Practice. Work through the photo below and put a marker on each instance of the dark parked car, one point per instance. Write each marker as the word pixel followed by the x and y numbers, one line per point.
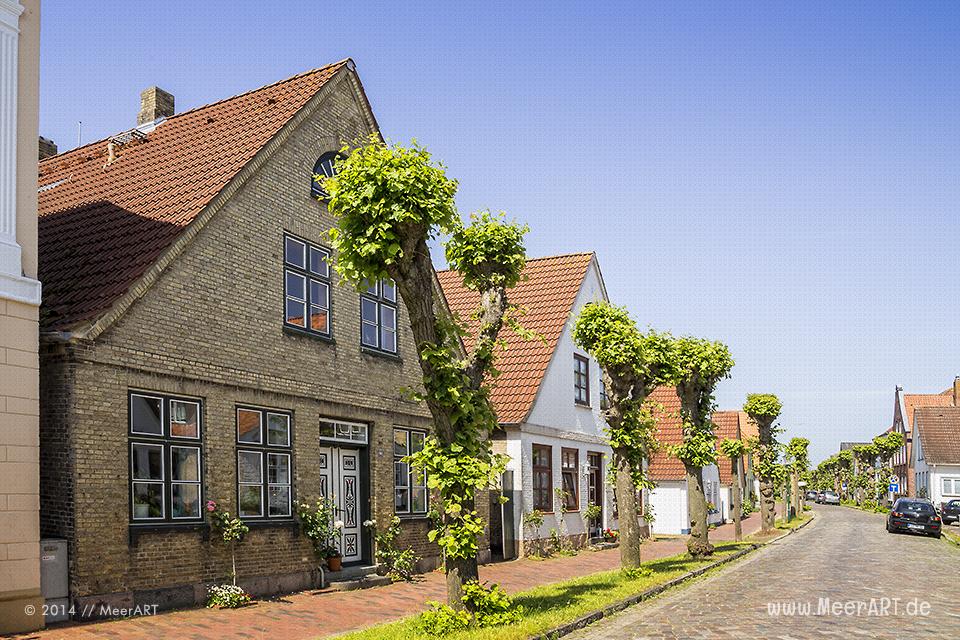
pixel 950 511
pixel 914 515
pixel 830 497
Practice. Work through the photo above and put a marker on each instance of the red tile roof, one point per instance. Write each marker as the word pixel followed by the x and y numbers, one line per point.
pixel 939 431
pixel 101 229
pixel 662 465
pixel 726 427
pixel 547 294
pixel 913 400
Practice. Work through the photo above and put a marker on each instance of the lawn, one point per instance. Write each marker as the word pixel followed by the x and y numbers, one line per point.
pixel 793 524
pixel 552 605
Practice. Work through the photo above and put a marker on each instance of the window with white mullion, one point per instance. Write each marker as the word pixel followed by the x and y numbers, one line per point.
pixel 250 483
pixel 165 458
pixel 410 483
pixel 378 316
pixel 306 286
pixel 264 463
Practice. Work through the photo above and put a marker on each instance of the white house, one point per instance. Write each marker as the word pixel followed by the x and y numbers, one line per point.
pixel 548 399
pixel 668 501
pixel 936 453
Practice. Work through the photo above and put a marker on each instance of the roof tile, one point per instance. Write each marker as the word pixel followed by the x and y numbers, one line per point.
pixel 939 431
pixel 101 228
pixel 546 295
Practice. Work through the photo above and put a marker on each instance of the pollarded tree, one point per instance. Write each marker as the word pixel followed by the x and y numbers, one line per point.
pixel 633 364
pixel 734 450
pixel 764 408
pixel 887 445
pixel 799 462
pixel 701 364
pixel 864 458
pixel 389 202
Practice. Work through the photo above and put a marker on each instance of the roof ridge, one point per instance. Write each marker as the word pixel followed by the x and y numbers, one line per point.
pixel 541 258
pixel 101 141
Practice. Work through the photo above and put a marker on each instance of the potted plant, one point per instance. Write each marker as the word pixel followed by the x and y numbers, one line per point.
pixel 317 523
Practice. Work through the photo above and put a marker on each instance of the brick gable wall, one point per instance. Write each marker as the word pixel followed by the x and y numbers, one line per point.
pixel 211 327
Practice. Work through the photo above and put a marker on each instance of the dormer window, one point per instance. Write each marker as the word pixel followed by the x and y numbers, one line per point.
pixel 324 168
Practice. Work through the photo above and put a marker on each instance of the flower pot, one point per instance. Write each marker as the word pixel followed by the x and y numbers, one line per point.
pixel 335 563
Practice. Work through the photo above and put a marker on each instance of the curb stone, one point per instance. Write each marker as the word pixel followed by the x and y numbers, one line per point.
pixel 595 616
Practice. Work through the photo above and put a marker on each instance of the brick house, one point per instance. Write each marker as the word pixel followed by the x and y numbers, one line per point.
pixel 548 398
pixel 904 407
pixel 936 453
pixel 196 345
pixel 732 425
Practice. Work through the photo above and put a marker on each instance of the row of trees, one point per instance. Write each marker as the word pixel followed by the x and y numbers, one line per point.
pixel 860 473
pixel 390 204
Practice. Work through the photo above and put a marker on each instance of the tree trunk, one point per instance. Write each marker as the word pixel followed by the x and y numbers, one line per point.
pixel 459 572
pixel 698 545
pixel 737 500
pixel 795 490
pixel 767 510
pixel 627 508
pixel 786 501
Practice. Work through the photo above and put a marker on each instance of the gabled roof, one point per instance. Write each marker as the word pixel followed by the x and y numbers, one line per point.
pixel 102 228
pixel 911 401
pixel 726 427
pixel 939 432
pixel 662 465
pixel 546 294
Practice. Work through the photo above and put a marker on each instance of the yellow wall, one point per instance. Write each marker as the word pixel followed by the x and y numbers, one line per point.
pixel 19 382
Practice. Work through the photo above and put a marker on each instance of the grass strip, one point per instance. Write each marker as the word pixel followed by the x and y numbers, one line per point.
pixel 579 601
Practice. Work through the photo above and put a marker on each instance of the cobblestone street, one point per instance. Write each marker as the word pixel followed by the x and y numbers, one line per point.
pixel 845 556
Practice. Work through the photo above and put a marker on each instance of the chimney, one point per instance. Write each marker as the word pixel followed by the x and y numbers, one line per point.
pixel 155 103
pixel 956 391
pixel 47 148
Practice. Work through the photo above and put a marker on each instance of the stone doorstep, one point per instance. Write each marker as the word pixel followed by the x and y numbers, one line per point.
pixel 363 582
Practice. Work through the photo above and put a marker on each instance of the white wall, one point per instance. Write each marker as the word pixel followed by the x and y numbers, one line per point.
pixel 521 452
pixel 554 406
pixel 937 473
pixel 669 502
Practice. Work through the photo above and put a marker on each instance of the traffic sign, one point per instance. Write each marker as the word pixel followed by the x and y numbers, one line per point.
pixel 894 480
pixel 894 488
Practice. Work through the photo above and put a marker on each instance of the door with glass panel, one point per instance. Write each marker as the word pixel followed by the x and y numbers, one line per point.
pixel 342 478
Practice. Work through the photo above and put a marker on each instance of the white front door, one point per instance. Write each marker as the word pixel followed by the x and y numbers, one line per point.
pixel 340 477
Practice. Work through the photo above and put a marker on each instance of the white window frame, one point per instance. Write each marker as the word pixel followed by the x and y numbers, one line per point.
pixel 199 418
pixel 955 485
pixel 258 485
pixel 162 481
pixel 288 484
pixel 198 482
pixel 410 474
pixel 133 431
pixel 380 300
pixel 364 431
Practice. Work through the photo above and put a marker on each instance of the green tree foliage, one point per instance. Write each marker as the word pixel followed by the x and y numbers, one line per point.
pixel 389 202
pixel 799 463
pixel 701 364
pixel 764 408
pixel 634 364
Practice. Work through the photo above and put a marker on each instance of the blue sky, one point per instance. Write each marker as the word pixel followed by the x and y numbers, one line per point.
pixel 784 177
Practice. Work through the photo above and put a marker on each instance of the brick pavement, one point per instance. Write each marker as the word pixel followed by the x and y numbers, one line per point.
pixel 844 555
pixel 319 613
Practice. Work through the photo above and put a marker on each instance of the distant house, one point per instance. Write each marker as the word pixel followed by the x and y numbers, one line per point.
pixel 936 453
pixel 668 500
pixel 729 425
pixel 548 398
pixel 905 404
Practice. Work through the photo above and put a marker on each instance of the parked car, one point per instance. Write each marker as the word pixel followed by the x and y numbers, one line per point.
pixel 811 495
pixel 819 498
pixel 830 497
pixel 918 516
pixel 950 512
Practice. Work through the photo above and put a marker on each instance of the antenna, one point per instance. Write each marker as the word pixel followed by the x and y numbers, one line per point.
pixel 79 132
